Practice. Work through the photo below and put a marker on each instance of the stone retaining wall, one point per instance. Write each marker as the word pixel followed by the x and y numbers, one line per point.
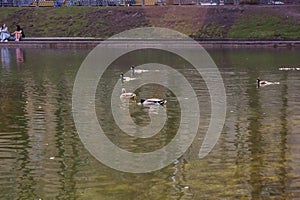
pixel 92 42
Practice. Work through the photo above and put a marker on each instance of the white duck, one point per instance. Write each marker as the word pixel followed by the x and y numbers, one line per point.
pixel 153 101
pixel 127 95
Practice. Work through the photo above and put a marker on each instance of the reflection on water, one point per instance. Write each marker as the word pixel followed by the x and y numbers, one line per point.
pixel 257 156
pixel 19 56
pixel 18 53
pixel 5 58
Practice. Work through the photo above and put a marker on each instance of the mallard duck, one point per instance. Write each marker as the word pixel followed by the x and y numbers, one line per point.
pixel 127 95
pixel 260 82
pixel 125 78
pixel 137 71
pixel 264 83
pixel 153 101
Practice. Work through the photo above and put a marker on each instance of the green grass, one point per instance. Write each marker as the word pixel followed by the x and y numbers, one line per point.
pixel 45 22
pixel 103 22
pixel 211 30
pixel 81 21
pixel 265 26
pixel 6 12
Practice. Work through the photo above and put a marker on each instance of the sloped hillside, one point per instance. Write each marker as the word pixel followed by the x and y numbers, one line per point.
pixel 196 21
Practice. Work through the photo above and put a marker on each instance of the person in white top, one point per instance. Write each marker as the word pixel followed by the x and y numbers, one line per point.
pixel 4 34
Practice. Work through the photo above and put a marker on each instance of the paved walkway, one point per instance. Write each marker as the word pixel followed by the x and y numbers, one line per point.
pixel 88 42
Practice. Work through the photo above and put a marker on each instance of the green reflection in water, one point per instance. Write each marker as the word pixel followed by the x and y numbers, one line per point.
pixel 257 156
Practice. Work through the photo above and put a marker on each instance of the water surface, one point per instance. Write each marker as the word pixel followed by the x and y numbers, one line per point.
pixel 42 157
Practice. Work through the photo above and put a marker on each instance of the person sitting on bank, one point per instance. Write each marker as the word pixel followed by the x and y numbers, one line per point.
pixel 18 34
pixel 4 34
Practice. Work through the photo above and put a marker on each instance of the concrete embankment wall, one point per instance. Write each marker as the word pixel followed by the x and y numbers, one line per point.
pixel 93 42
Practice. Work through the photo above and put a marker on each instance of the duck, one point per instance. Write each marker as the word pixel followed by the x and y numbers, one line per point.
pixel 153 101
pixel 260 82
pixel 137 71
pixel 125 78
pixel 264 83
pixel 289 68
pixel 127 95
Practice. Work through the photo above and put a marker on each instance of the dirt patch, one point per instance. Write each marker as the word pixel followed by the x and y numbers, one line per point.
pixel 212 22
pixel 185 19
pixel 107 22
pixel 219 21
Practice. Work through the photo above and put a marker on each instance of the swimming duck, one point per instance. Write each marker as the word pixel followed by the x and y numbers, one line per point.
pixel 264 83
pixel 125 78
pixel 153 101
pixel 260 82
pixel 289 68
pixel 137 71
pixel 127 95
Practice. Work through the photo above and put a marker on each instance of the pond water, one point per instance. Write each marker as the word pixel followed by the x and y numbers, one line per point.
pixel 256 157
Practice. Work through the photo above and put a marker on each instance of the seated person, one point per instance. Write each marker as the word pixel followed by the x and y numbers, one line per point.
pixel 18 34
pixel 4 34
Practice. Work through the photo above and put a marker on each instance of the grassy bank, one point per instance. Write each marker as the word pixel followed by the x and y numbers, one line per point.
pixel 202 22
